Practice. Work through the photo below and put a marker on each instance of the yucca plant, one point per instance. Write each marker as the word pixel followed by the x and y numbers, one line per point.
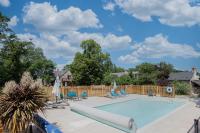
pixel 19 102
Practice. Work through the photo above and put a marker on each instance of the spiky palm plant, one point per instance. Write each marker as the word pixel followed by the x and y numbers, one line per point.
pixel 19 102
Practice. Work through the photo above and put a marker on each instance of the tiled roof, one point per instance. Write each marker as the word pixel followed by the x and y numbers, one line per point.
pixel 182 76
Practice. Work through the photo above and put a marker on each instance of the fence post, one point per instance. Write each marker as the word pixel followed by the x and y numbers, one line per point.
pixel 91 93
pixel 174 91
pixel 101 90
pixel 157 91
pixel 196 127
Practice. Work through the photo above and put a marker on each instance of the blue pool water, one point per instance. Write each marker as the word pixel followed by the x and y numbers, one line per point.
pixel 141 110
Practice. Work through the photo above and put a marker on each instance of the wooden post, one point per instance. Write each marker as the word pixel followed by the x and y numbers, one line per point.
pixel 78 90
pixel 156 90
pixel 174 91
pixel 101 90
pixel 91 90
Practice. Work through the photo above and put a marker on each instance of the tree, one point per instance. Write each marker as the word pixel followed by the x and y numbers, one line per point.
pixel 90 66
pixel 117 69
pixel 39 65
pixel 12 54
pixel 148 73
pixel 5 32
pixel 164 70
pixel 124 80
pixel 17 56
pixel 108 79
pixel 130 72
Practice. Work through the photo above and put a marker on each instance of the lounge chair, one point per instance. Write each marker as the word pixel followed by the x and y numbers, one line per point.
pixel 150 92
pixel 72 95
pixel 109 95
pixel 114 94
pixel 123 92
pixel 84 95
pixel 56 105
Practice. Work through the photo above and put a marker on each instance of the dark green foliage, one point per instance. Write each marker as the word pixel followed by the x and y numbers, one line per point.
pixel 164 70
pixel 148 73
pixel 116 69
pixel 90 66
pixel 13 54
pixel 17 56
pixel 108 79
pixel 151 73
pixel 5 32
pixel 124 80
pixel 182 88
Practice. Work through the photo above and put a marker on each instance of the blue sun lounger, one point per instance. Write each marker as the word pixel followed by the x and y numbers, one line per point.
pixel 84 95
pixel 123 92
pixel 114 94
pixel 72 95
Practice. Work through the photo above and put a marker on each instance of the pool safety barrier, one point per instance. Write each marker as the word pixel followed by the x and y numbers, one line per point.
pixel 126 124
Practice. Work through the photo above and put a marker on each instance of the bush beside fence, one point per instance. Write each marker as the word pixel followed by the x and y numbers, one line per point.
pixel 102 90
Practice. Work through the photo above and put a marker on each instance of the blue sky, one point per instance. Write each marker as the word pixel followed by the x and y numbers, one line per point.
pixel 132 31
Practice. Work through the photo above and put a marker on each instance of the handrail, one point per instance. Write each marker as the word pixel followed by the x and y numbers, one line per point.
pixel 195 126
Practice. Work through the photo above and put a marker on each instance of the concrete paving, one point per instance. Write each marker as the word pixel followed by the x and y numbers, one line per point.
pixel 178 121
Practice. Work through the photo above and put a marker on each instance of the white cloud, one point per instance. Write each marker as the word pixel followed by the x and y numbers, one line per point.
pixel 169 12
pixel 47 18
pixel 59 34
pixel 109 6
pixel 159 46
pixel 65 48
pixel 5 3
pixel 52 46
pixel 13 21
pixel 109 41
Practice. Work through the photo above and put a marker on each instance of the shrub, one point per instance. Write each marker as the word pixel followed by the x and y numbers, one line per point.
pixel 108 79
pixel 19 102
pixel 124 80
pixel 182 88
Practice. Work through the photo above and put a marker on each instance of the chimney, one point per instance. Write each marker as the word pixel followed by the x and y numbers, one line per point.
pixel 195 76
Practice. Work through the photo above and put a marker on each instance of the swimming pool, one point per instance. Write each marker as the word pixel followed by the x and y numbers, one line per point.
pixel 143 111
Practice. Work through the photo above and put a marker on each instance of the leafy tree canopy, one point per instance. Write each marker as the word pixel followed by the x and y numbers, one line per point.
pixel 116 69
pixel 151 73
pixel 90 66
pixel 17 56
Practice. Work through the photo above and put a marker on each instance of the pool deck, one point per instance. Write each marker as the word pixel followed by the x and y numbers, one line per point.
pixel 177 121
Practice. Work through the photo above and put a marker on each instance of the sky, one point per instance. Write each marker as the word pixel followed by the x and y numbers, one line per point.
pixel 132 31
